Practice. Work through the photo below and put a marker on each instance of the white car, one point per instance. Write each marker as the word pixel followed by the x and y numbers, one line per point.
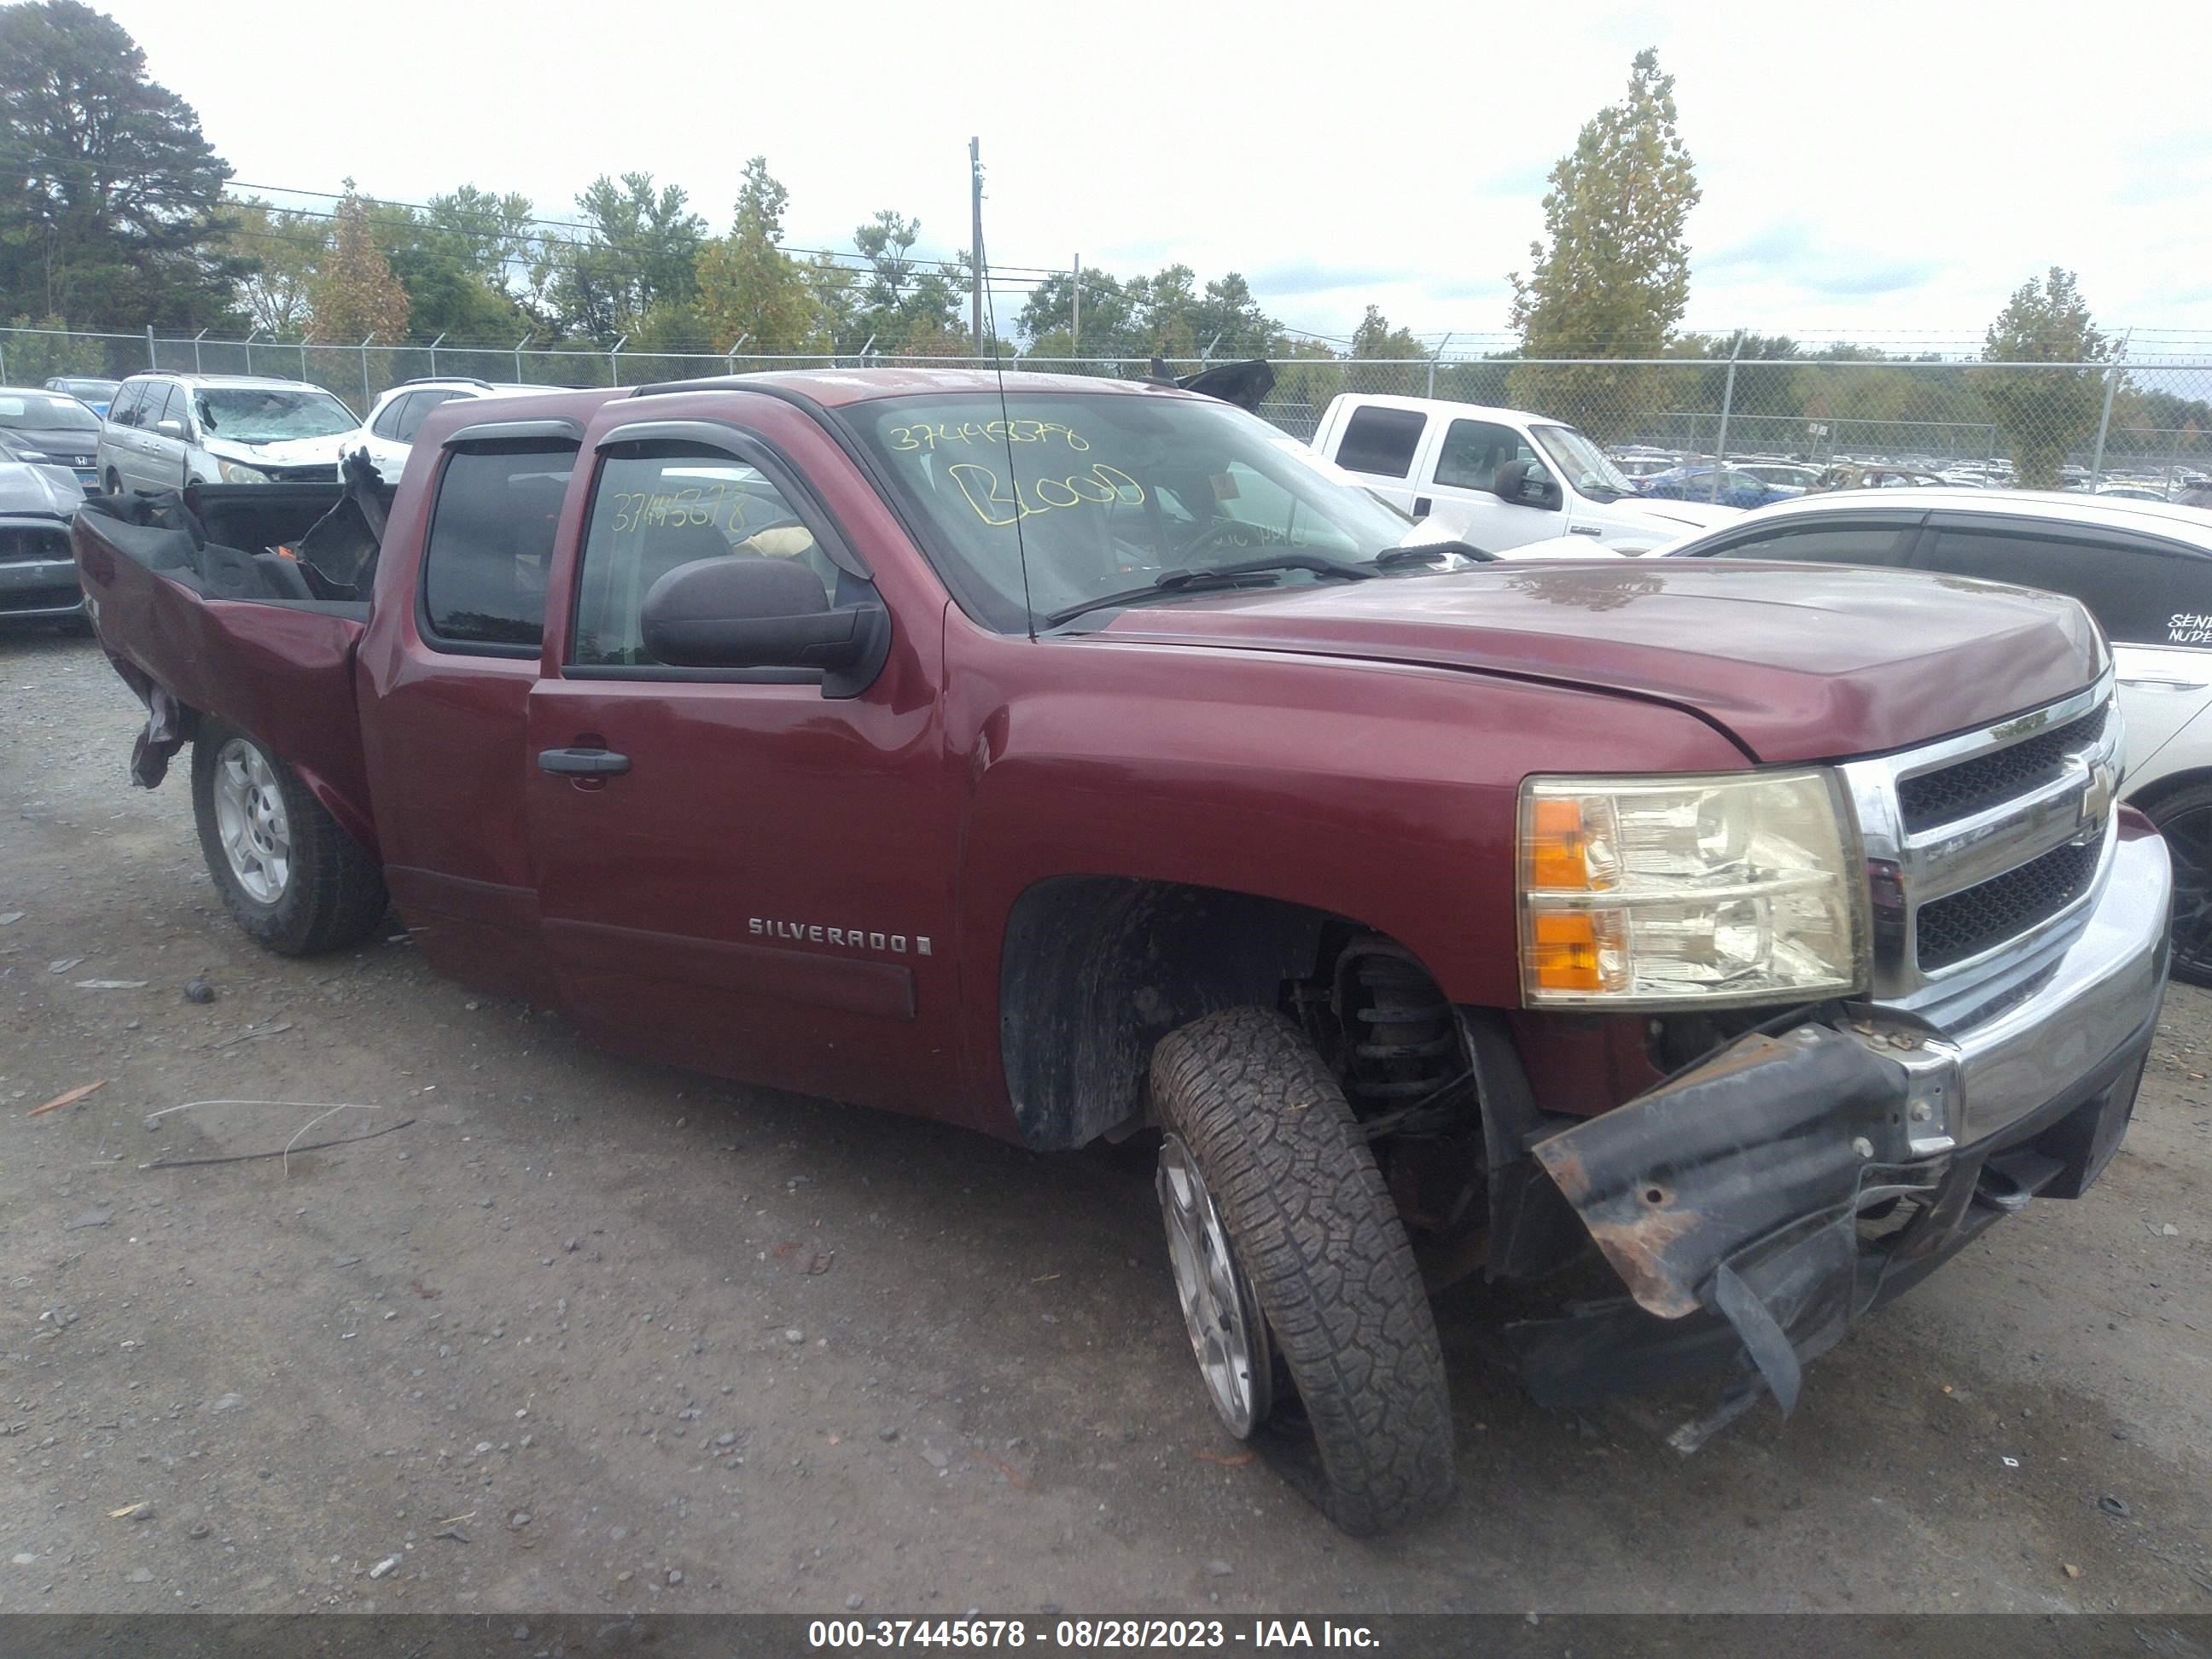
pixel 1496 479
pixel 166 431
pixel 2142 569
pixel 387 436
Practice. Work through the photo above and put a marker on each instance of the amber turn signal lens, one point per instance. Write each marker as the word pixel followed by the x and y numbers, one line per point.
pixel 1558 848
pixel 1563 951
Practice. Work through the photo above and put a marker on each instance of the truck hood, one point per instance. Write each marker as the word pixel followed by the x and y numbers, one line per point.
pixel 1799 662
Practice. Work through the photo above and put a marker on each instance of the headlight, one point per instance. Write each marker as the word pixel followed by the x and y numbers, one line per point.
pixel 239 473
pixel 33 455
pixel 1688 891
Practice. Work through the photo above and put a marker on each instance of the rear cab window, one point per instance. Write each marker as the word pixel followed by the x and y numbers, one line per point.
pixel 490 546
pixel 1380 442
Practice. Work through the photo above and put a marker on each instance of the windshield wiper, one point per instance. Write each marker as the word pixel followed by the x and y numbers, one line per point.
pixel 1428 553
pixel 1228 575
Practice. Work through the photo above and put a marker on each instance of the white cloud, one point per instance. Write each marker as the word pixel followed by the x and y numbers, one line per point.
pixel 1877 168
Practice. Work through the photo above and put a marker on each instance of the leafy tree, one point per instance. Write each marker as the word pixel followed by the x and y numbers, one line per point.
pixel 109 194
pixel 32 357
pixel 639 250
pixel 1612 277
pixel 2044 413
pixel 907 306
pixel 748 287
pixel 355 294
pixel 281 250
pixel 1109 316
pixel 1374 337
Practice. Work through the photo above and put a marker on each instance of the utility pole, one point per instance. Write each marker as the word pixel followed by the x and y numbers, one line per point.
pixel 1075 315
pixel 976 249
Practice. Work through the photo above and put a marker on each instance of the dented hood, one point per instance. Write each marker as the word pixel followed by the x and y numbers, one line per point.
pixel 1800 662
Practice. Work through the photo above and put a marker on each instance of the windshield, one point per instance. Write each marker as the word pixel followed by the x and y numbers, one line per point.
pixel 89 389
pixel 269 415
pixel 45 411
pixel 1584 466
pixel 1102 493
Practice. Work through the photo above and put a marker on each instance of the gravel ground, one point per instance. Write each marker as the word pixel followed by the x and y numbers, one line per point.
pixel 585 1335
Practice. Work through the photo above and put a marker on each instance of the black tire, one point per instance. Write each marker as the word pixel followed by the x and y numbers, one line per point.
pixel 333 892
pixel 114 482
pixel 2185 818
pixel 1314 1229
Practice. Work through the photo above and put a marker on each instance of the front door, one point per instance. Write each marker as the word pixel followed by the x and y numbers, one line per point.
pixel 735 871
pixel 1458 475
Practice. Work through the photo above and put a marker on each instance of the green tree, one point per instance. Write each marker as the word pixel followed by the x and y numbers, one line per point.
pixel 750 288
pixel 2044 413
pixel 640 251
pixel 355 293
pixel 909 307
pixel 109 194
pixel 33 357
pixel 1612 277
pixel 281 250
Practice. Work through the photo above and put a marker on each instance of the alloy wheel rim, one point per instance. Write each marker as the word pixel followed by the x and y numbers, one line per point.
pixel 1228 1336
pixel 251 821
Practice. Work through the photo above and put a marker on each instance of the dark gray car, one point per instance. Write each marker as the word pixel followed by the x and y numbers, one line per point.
pixel 37 575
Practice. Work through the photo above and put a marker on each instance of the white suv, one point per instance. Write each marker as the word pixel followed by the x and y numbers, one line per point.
pixel 166 431
pixel 388 434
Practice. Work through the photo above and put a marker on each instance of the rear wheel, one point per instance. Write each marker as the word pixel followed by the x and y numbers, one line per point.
pixel 289 876
pixel 1285 1245
pixel 2185 818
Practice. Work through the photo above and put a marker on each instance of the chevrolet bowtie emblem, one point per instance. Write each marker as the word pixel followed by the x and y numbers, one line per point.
pixel 2097 799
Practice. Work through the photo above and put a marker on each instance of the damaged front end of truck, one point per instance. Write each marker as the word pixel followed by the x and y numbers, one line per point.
pixel 1757 1204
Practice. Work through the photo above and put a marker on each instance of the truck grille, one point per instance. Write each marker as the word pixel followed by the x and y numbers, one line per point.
pixel 1974 786
pixel 1983 840
pixel 1984 915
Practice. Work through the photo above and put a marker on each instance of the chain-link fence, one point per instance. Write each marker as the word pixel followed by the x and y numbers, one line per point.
pixel 2144 423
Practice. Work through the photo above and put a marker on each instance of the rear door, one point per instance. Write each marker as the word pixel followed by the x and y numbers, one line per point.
pixel 763 889
pixel 1378 443
pixel 2154 600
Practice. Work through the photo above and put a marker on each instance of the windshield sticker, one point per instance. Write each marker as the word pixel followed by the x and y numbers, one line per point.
pixel 2189 627
pixel 1102 486
pixel 997 433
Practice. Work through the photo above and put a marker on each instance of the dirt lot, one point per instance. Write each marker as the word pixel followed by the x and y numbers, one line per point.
pixel 585 1335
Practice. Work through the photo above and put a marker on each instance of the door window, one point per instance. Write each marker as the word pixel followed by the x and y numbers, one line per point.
pixel 123 411
pixel 417 406
pixel 1865 544
pixel 655 509
pixel 2140 595
pixel 386 423
pixel 1473 451
pixel 1381 441
pixel 162 403
pixel 491 544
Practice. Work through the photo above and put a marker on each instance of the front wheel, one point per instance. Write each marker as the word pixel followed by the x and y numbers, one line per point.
pixel 2185 818
pixel 289 876
pixel 1284 1243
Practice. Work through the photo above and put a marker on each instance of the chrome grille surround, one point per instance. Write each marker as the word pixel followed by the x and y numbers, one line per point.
pixel 1909 867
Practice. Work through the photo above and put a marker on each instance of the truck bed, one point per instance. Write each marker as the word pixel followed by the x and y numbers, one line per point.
pixel 202 617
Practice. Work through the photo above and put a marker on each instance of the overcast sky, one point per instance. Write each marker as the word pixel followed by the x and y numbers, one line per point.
pixel 1882 172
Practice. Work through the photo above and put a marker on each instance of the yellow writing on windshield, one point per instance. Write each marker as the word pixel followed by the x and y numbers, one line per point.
pixel 996 506
pixel 1001 433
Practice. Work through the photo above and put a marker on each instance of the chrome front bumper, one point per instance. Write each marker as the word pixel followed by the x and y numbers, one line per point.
pixel 1977 1065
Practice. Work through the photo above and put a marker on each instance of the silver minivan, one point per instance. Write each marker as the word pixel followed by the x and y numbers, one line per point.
pixel 165 431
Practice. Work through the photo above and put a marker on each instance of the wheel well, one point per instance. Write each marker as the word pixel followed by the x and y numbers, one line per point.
pixel 1096 970
pixel 2173 784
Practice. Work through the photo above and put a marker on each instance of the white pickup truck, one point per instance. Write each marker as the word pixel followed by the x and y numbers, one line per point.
pixel 1498 478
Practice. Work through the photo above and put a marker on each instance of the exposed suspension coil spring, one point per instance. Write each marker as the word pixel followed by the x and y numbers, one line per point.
pixel 1404 1046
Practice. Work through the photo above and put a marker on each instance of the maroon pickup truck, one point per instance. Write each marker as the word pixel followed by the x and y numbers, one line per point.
pixel 1075 760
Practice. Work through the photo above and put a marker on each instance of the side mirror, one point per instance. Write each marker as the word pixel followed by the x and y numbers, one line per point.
pixel 169 428
pixel 746 611
pixel 1522 484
